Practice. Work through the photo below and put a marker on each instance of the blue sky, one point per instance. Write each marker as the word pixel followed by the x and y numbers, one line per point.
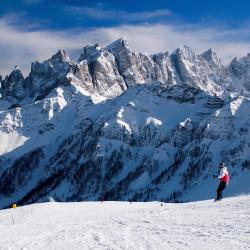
pixel 34 29
pixel 61 14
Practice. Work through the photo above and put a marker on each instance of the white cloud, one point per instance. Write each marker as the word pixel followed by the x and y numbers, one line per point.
pixel 18 47
pixel 158 37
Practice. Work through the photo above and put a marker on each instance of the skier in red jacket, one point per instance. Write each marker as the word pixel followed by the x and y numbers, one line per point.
pixel 224 179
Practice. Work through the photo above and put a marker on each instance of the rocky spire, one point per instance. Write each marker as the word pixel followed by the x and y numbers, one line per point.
pixel 119 44
pixel 212 57
pixel 89 51
pixel 13 85
pixel 60 56
pixel 13 78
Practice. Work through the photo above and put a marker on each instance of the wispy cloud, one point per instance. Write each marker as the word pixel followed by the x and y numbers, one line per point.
pixel 21 47
pixel 99 13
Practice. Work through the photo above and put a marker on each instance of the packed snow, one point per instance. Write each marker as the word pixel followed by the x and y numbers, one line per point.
pixel 124 225
pixel 154 121
pixel 11 141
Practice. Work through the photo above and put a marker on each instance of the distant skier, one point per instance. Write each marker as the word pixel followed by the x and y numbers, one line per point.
pixel 224 179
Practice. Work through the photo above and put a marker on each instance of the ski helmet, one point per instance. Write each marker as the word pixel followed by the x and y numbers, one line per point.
pixel 221 165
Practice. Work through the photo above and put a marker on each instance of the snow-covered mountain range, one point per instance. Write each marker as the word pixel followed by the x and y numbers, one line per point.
pixel 120 125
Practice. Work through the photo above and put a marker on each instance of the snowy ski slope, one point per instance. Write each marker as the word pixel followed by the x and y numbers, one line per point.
pixel 121 225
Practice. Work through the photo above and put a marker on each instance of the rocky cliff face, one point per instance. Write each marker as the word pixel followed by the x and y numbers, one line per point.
pixel 122 125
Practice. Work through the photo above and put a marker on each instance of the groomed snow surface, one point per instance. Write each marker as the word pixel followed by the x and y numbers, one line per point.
pixel 121 225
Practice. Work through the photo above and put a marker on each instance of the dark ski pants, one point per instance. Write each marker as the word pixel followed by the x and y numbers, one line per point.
pixel 220 189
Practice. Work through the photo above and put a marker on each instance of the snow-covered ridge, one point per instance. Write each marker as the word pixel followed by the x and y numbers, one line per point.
pixel 124 225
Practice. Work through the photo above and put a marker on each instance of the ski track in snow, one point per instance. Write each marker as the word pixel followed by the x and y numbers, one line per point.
pixel 121 225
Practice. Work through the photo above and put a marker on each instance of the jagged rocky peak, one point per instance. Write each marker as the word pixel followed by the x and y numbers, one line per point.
pixel 89 51
pixel 55 61
pixel 49 74
pixel 13 85
pixel 184 52
pixel 161 55
pixel 118 45
pixel 236 67
pixel 59 57
pixel 240 70
pixel 196 71
pixel 212 57
pixel 13 78
pixel 183 57
pixel 122 52
pixel 106 76
pixel 16 75
pixel 134 67
pixel 240 65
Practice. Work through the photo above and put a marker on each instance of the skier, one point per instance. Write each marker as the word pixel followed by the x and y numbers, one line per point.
pixel 224 179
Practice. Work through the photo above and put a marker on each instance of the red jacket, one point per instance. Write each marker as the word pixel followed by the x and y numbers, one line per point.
pixel 224 176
